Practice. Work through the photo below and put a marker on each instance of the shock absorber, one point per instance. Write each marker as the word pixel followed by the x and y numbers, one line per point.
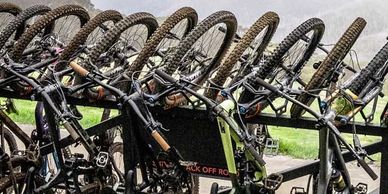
pixel 338 181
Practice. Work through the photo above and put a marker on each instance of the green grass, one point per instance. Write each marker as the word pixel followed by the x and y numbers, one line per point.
pixel 302 143
pixel 298 143
pixel 26 109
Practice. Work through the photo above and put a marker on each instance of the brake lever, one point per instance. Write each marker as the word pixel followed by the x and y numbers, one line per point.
pixel 252 90
pixel 161 81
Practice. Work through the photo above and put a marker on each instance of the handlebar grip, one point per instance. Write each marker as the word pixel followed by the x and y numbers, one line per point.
pixel 79 69
pixel 158 138
pixel 71 130
pixel 165 76
pixel 367 169
pixel 256 155
pixel 266 85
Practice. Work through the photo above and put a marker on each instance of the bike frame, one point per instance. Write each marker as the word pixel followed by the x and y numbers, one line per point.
pixel 133 106
pixel 229 132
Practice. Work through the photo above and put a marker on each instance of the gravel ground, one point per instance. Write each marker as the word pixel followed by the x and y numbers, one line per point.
pixel 274 164
pixel 279 163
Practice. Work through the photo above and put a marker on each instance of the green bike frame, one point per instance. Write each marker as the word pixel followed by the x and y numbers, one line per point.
pixel 228 134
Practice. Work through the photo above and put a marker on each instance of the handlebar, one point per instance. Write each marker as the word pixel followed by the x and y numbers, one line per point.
pixel 79 69
pixel 216 109
pixel 170 79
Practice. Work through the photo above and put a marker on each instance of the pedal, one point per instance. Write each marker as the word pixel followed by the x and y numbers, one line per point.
pixel 102 159
pixel 271 147
pixel 361 188
pixel 273 181
pixel 298 190
pixel 33 153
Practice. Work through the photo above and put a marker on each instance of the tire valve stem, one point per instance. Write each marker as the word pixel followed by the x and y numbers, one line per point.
pixel 337 181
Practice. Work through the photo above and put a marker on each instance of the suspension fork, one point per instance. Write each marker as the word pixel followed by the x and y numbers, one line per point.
pixel 54 132
pixel 329 152
pixel 227 135
pixel 326 157
pixel 72 126
pixel 340 162
pixel 228 150
pixel 136 144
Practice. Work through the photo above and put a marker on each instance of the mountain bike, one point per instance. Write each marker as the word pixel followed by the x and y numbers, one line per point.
pixel 11 32
pixel 245 163
pixel 95 170
pixel 249 50
pixel 155 178
pixel 331 161
pixel 357 92
pixel 199 53
pixel 333 175
pixel 330 69
pixel 282 67
pixel 40 136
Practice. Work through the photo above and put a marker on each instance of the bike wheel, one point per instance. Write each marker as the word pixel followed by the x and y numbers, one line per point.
pixel 283 55
pixel 200 51
pixel 186 16
pixel 120 43
pixel 259 34
pixel 48 19
pixel 123 28
pixel 10 8
pixel 335 57
pixel 18 24
pixel 210 25
pixel 10 141
pixel 116 151
pixel 372 69
pixel 86 31
pixel 8 12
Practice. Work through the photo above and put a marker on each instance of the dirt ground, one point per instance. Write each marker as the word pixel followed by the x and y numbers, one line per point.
pixel 279 163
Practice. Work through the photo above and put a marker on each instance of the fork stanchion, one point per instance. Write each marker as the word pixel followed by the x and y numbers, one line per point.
pixel 130 152
pixel 384 166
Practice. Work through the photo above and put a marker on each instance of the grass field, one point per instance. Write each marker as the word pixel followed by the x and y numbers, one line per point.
pixel 91 116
